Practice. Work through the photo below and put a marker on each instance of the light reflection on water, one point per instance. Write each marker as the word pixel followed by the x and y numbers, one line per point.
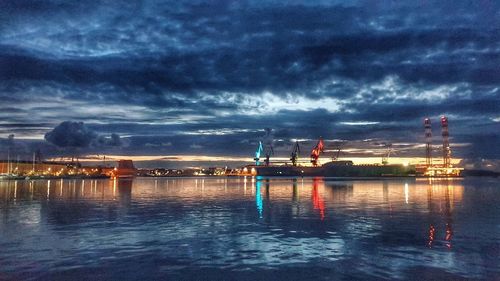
pixel 249 228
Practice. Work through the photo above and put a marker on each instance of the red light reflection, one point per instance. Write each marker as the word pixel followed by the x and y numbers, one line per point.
pixel 318 202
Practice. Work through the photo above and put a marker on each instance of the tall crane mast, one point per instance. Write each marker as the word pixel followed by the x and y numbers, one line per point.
pixel 428 142
pixel 446 142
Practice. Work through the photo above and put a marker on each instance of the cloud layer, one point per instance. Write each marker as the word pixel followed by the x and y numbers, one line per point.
pixel 211 76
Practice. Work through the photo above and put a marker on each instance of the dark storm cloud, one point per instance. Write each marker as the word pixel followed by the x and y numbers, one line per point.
pixel 78 135
pixel 173 70
pixel 71 134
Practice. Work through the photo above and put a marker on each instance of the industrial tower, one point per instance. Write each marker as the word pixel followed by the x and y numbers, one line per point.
pixel 446 142
pixel 428 142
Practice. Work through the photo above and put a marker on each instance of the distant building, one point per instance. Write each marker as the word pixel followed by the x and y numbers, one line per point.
pixel 125 169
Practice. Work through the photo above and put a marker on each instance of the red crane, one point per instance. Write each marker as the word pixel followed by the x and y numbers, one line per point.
pixel 316 152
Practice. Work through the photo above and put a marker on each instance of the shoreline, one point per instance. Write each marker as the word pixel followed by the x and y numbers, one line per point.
pixel 242 176
pixel 52 177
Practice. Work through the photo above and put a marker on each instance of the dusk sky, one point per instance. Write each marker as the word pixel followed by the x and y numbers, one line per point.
pixel 167 78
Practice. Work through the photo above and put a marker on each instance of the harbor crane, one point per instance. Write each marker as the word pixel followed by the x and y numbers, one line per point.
pixel 317 150
pixel 268 144
pixel 269 153
pixel 257 154
pixel 387 154
pixel 295 153
pixel 337 148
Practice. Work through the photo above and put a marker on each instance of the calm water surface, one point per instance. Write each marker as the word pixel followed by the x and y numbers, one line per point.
pixel 249 229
